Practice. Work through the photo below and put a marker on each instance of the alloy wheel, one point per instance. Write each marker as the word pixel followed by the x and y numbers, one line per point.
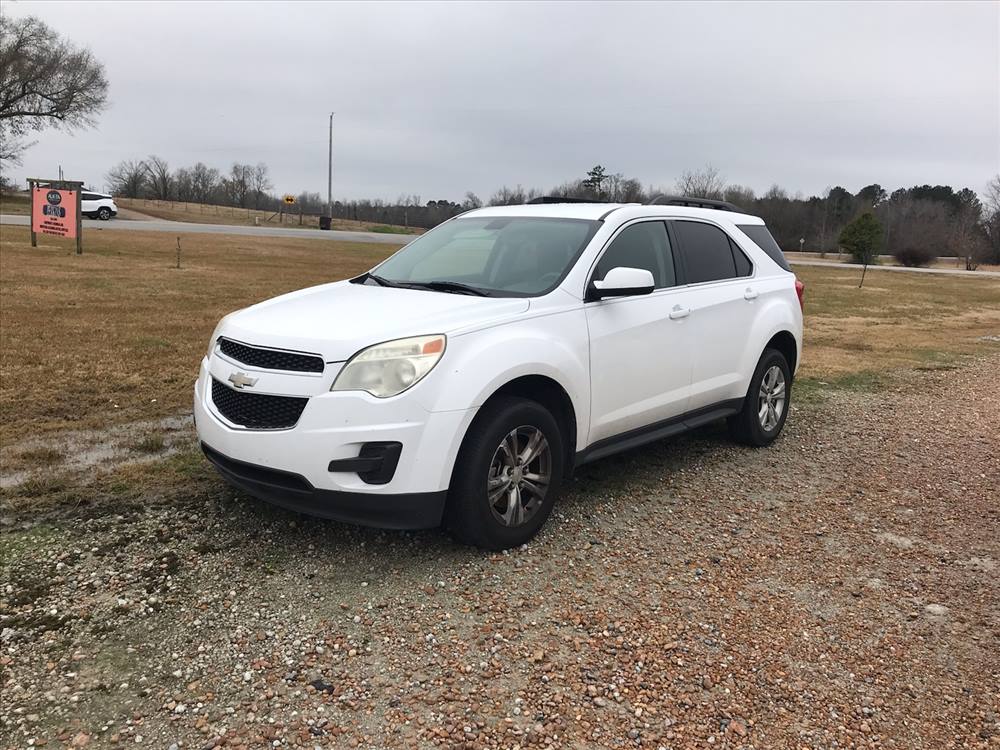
pixel 519 475
pixel 771 398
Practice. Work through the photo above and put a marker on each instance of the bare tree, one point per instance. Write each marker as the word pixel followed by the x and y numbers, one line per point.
pixel 707 183
pixel 506 196
pixel 740 195
pixel 160 180
pixel 471 201
pixel 44 81
pixel 621 189
pixel 204 182
pixel 260 183
pixel 183 184
pixel 127 179
pixel 237 185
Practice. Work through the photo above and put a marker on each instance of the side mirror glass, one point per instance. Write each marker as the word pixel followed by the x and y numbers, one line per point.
pixel 621 282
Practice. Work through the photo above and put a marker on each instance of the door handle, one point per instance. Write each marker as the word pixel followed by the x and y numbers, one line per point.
pixel 679 312
pixel 750 294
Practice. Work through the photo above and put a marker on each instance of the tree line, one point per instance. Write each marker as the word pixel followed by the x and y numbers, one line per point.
pixel 918 223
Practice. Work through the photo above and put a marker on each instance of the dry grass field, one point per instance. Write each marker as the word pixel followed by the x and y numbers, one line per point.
pixel 199 213
pixel 898 320
pixel 115 335
pixel 15 203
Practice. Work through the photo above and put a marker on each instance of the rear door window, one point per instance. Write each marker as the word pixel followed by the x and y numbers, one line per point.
pixel 708 255
pixel 743 265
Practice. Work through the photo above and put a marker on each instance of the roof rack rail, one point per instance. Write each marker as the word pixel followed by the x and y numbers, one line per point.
pixel 685 200
pixel 560 199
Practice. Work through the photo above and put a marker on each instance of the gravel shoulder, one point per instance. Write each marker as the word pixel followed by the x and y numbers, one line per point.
pixel 837 590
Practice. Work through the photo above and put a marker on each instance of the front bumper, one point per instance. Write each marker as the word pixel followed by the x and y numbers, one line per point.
pixel 418 510
pixel 291 467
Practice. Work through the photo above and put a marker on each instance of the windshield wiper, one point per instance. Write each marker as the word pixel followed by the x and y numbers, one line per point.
pixel 385 282
pixel 437 286
pixel 449 286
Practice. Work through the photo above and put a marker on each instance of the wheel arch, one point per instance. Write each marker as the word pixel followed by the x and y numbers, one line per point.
pixel 784 342
pixel 550 394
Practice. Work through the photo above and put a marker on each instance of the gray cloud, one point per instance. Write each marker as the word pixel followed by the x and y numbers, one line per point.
pixel 436 99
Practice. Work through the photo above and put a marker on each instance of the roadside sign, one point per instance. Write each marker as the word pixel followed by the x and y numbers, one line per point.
pixel 54 212
pixel 290 199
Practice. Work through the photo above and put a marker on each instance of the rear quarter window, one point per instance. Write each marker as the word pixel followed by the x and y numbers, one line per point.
pixel 763 239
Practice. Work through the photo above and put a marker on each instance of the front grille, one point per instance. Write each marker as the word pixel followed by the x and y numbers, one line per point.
pixel 270 359
pixel 257 410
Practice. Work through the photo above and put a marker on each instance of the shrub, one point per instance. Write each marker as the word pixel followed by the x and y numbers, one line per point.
pixel 914 257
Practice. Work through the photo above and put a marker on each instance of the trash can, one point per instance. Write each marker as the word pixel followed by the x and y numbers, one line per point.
pixel 324 222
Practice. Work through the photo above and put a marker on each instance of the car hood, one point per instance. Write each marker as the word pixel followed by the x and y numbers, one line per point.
pixel 337 320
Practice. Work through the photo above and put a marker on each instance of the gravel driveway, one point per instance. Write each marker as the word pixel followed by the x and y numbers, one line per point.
pixel 837 590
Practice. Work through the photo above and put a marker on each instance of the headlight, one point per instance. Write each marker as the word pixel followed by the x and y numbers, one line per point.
pixel 389 369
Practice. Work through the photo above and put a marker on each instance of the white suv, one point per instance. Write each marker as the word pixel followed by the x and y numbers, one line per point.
pixel 462 380
pixel 97 205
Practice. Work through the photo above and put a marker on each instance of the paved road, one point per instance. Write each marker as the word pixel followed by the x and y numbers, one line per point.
pixel 944 271
pixel 184 227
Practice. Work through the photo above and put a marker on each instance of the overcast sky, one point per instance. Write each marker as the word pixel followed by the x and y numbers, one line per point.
pixel 437 99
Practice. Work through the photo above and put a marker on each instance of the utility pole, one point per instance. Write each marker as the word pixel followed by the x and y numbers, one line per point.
pixel 329 174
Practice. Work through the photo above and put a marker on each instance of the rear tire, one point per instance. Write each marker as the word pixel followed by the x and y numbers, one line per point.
pixel 507 475
pixel 104 213
pixel 765 407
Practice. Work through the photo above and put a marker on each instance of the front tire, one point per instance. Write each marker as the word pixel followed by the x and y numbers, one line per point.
pixel 507 475
pixel 765 407
pixel 104 213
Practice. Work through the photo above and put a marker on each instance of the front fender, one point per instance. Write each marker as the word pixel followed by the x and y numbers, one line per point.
pixel 476 365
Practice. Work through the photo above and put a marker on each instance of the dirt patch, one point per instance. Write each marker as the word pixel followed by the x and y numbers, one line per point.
pixel 80 451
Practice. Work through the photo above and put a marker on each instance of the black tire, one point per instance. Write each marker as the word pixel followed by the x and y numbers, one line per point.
pixel 746 427
pixel 104 213
pixel 470 515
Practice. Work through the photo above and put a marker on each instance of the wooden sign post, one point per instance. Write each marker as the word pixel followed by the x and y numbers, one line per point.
pixel 55 210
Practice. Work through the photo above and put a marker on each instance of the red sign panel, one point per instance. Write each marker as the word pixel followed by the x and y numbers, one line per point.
pixel 54 212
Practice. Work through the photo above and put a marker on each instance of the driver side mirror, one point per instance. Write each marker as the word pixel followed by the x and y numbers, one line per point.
pixel 621 282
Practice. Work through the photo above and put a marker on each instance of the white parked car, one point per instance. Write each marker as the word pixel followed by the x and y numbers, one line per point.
pixel 461 380
pixel 97 205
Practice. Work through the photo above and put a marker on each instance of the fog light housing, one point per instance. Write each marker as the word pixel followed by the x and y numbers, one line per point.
pixel 375 463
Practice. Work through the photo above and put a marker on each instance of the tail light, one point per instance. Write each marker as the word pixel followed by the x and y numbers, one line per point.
pixel 800 292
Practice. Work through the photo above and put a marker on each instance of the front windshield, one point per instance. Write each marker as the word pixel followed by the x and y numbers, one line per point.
pixel 507 256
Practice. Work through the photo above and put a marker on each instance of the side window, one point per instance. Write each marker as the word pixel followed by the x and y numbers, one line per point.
pixel 88 197
pixel 641 246
pixel 708 255
pixel 743 265
pixel 762 237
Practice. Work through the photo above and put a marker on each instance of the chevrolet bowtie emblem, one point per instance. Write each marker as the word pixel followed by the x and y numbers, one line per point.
pixel 242 380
